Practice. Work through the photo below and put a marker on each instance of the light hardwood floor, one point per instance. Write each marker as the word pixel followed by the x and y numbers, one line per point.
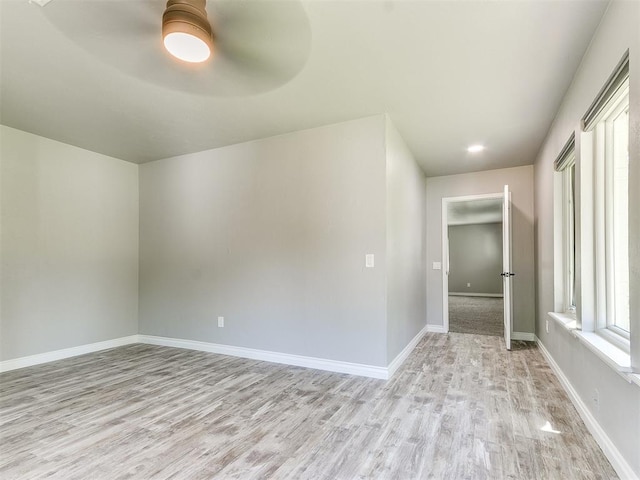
pixel 461 407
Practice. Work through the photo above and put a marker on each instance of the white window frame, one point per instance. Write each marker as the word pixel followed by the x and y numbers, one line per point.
pixel 599 156
pixel 604 212
pixel 569 237
pixel 565 256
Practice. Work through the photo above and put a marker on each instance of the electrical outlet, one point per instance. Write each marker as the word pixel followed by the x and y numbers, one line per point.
pixel 220 322
pixel 468 285
pixel 546 326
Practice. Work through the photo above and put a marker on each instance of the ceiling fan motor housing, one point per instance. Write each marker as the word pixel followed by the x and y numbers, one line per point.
pixel 187 16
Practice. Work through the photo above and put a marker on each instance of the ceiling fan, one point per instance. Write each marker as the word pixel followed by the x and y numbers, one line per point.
pixel 228 47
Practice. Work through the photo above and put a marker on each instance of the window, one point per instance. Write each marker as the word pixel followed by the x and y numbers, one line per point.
pixel 611 162
pixel 566 168
pixel 606 127
pixel 569 240
pixel 591 224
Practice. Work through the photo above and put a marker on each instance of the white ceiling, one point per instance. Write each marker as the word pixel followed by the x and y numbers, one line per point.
pixel 449 73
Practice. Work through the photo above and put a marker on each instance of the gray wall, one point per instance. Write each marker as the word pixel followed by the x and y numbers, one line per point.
pixel 475 257
pixel 406 229
pixel 619 411
pixel 520 181
pixel 69 246
pixel 272 235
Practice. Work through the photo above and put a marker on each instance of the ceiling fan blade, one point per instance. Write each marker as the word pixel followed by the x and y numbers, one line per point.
pixel 273 37
pixel 259 45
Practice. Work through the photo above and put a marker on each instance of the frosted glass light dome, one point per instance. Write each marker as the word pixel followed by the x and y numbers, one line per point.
pixel 187 47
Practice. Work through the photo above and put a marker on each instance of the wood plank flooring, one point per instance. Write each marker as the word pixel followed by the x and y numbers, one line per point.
pixel 461 407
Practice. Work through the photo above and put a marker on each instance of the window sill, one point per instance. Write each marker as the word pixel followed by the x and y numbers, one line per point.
pixel 615 357
pixel 566 320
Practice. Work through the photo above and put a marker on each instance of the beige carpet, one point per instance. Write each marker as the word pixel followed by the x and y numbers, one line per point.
pixel 480 315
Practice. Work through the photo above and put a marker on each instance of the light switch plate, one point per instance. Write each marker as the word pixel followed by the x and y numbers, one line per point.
pixel 369 260
pixel 437 266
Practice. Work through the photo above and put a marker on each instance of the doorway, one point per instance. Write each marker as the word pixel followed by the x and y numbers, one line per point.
pixel 476 254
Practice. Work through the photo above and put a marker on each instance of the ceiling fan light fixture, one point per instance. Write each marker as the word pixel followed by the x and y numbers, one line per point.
pixel 186 31
pixel 187 47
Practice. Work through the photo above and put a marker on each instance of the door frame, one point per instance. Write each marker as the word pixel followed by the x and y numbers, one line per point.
pixel 445 246
pixel 507 267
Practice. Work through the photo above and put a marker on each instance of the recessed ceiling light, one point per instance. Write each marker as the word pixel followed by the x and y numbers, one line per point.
pixel 475 148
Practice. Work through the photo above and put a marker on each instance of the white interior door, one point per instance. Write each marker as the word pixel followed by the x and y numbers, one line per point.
pixel 506 265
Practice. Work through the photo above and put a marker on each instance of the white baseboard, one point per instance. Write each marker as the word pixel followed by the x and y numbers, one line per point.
pixel 275 357
pixel 436 329
pixel 46 357
pixel 620 465
pixel 404 354
pixel 337 366
pixel 465 294
pixel 525 336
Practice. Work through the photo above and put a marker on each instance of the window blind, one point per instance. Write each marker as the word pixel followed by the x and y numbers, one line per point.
pixel 615 81
pixel 566 156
